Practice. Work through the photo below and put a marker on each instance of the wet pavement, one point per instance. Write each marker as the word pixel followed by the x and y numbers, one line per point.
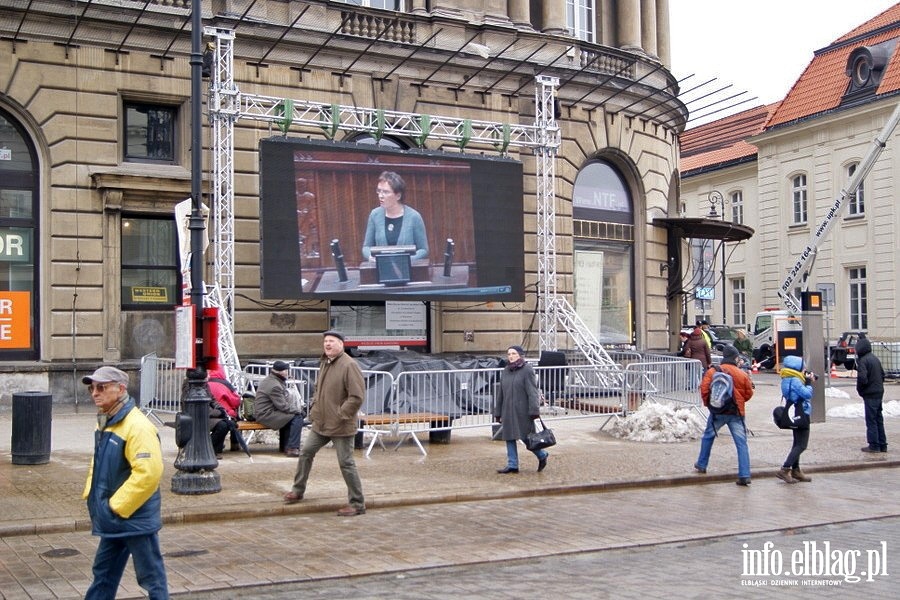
pixel 449 508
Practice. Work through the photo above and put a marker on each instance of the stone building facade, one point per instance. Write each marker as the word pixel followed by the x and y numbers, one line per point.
pixel 95 105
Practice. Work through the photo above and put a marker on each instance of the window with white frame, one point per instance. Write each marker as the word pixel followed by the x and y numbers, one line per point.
pixel 580 18
pixel 737 208
pixel 738 300
pixel 856 205
pixel 798 193
pixel 859 319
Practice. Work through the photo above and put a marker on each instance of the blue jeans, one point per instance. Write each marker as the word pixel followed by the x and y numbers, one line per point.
pixel 738 434
pixel 512 454
pixel 111 558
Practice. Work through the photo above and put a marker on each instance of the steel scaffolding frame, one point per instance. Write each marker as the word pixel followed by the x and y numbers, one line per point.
pixel 226 104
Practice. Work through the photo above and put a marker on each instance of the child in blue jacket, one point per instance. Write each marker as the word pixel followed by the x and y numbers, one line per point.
pixel 797 392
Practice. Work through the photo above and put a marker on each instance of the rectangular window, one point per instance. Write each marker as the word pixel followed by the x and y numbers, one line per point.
pixel 856 205
pixel 150 269
pixel 737 208
pixel 738 300
pixel 149 132
pixel 859 318
pixel 580 16
pixel 799 199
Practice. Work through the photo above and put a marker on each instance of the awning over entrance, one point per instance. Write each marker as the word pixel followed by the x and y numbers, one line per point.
pixel 695 228
pixel 709 229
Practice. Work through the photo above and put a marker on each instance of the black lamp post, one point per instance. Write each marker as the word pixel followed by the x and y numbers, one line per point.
pixel 196 462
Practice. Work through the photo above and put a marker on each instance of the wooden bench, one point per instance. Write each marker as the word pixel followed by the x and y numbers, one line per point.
pixel 252 427
pixel 438 428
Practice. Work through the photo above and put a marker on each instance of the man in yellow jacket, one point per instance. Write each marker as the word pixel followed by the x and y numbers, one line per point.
pixel 122 489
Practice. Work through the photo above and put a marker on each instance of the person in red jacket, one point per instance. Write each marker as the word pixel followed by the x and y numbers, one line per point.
pixel 227 400
pixel 743 391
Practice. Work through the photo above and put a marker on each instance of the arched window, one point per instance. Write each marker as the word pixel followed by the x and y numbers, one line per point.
pixel 18 242
pixel 603 214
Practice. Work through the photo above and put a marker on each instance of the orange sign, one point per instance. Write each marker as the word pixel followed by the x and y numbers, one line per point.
pixel 15 320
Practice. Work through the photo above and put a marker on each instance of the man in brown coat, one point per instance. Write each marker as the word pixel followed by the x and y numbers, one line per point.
pixel 340 390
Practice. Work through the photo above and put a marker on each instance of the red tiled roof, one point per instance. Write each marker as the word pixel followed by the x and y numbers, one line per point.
pixel 723 140
pixel 824 82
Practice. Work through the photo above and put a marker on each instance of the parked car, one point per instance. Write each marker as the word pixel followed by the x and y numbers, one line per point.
pixel 724 333
pixel 844 351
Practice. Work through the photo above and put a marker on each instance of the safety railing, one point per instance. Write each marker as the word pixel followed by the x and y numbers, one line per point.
pixel 665 379
pixel 444 400
pixel 160 390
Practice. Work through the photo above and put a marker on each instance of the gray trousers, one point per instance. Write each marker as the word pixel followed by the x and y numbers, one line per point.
pixel 343 446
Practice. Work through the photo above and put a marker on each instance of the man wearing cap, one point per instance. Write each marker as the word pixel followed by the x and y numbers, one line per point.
pixel 734 418
pixel 275 409
pixel 340 390
pixel 122 489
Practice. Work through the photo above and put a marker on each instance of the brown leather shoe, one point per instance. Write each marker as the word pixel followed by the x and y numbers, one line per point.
pixel 351 511
pixel 292 498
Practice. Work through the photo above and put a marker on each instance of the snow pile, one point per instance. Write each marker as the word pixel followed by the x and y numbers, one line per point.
pixel 654 422
pixel 857 411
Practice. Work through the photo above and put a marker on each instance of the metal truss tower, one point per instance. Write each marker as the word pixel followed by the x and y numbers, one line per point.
pixel 227 104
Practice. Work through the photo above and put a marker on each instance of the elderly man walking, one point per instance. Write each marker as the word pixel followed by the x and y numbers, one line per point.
pixel 340 390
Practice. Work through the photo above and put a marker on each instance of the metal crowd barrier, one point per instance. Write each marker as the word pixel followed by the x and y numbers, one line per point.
pixel 160 386
pixel 443 400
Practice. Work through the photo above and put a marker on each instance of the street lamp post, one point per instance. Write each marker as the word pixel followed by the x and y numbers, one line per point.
pixel 196 462
pixel 715 197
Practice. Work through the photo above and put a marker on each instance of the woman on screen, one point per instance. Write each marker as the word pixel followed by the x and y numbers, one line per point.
pixel 393 223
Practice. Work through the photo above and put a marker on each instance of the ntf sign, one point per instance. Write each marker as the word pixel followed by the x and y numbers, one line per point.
pixel 15 320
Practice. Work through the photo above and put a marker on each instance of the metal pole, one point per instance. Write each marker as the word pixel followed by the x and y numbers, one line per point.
pixel 196 462
pixel 724 284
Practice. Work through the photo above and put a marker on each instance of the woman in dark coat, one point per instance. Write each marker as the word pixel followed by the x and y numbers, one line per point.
pixel 516 408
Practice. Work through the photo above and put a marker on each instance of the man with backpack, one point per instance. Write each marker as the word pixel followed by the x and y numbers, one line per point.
pixel 724 391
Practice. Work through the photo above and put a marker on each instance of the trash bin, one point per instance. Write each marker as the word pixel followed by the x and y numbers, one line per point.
pixel 31 416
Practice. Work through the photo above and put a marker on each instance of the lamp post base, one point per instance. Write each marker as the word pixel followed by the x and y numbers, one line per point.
pixel 195 483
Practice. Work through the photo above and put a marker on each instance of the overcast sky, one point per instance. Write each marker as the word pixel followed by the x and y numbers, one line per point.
pixel 760 47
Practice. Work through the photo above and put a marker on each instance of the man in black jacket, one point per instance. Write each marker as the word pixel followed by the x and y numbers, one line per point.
pixel 870 385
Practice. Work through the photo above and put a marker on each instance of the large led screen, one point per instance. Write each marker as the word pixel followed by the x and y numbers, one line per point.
pixel 359 222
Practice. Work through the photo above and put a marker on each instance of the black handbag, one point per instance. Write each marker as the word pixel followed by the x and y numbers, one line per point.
pixel 538 440
pixel 790 416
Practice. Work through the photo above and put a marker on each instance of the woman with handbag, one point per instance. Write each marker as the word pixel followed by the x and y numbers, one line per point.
pixel 517 406
pixel 797 392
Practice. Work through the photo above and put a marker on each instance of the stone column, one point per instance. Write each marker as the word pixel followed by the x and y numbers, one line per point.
pixel 648 26
pixel 554 16
pixel 418 6
pixel 629 25
pixel 663 47
pixel 519 13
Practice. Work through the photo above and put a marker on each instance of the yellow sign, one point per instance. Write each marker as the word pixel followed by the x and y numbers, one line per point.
pixel 148 294
pixel 15 320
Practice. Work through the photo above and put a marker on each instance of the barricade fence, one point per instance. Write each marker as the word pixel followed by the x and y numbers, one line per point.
pixel 443 400
pixel 160 390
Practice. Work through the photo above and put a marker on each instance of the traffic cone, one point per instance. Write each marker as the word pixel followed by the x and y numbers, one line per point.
pixel 834 373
